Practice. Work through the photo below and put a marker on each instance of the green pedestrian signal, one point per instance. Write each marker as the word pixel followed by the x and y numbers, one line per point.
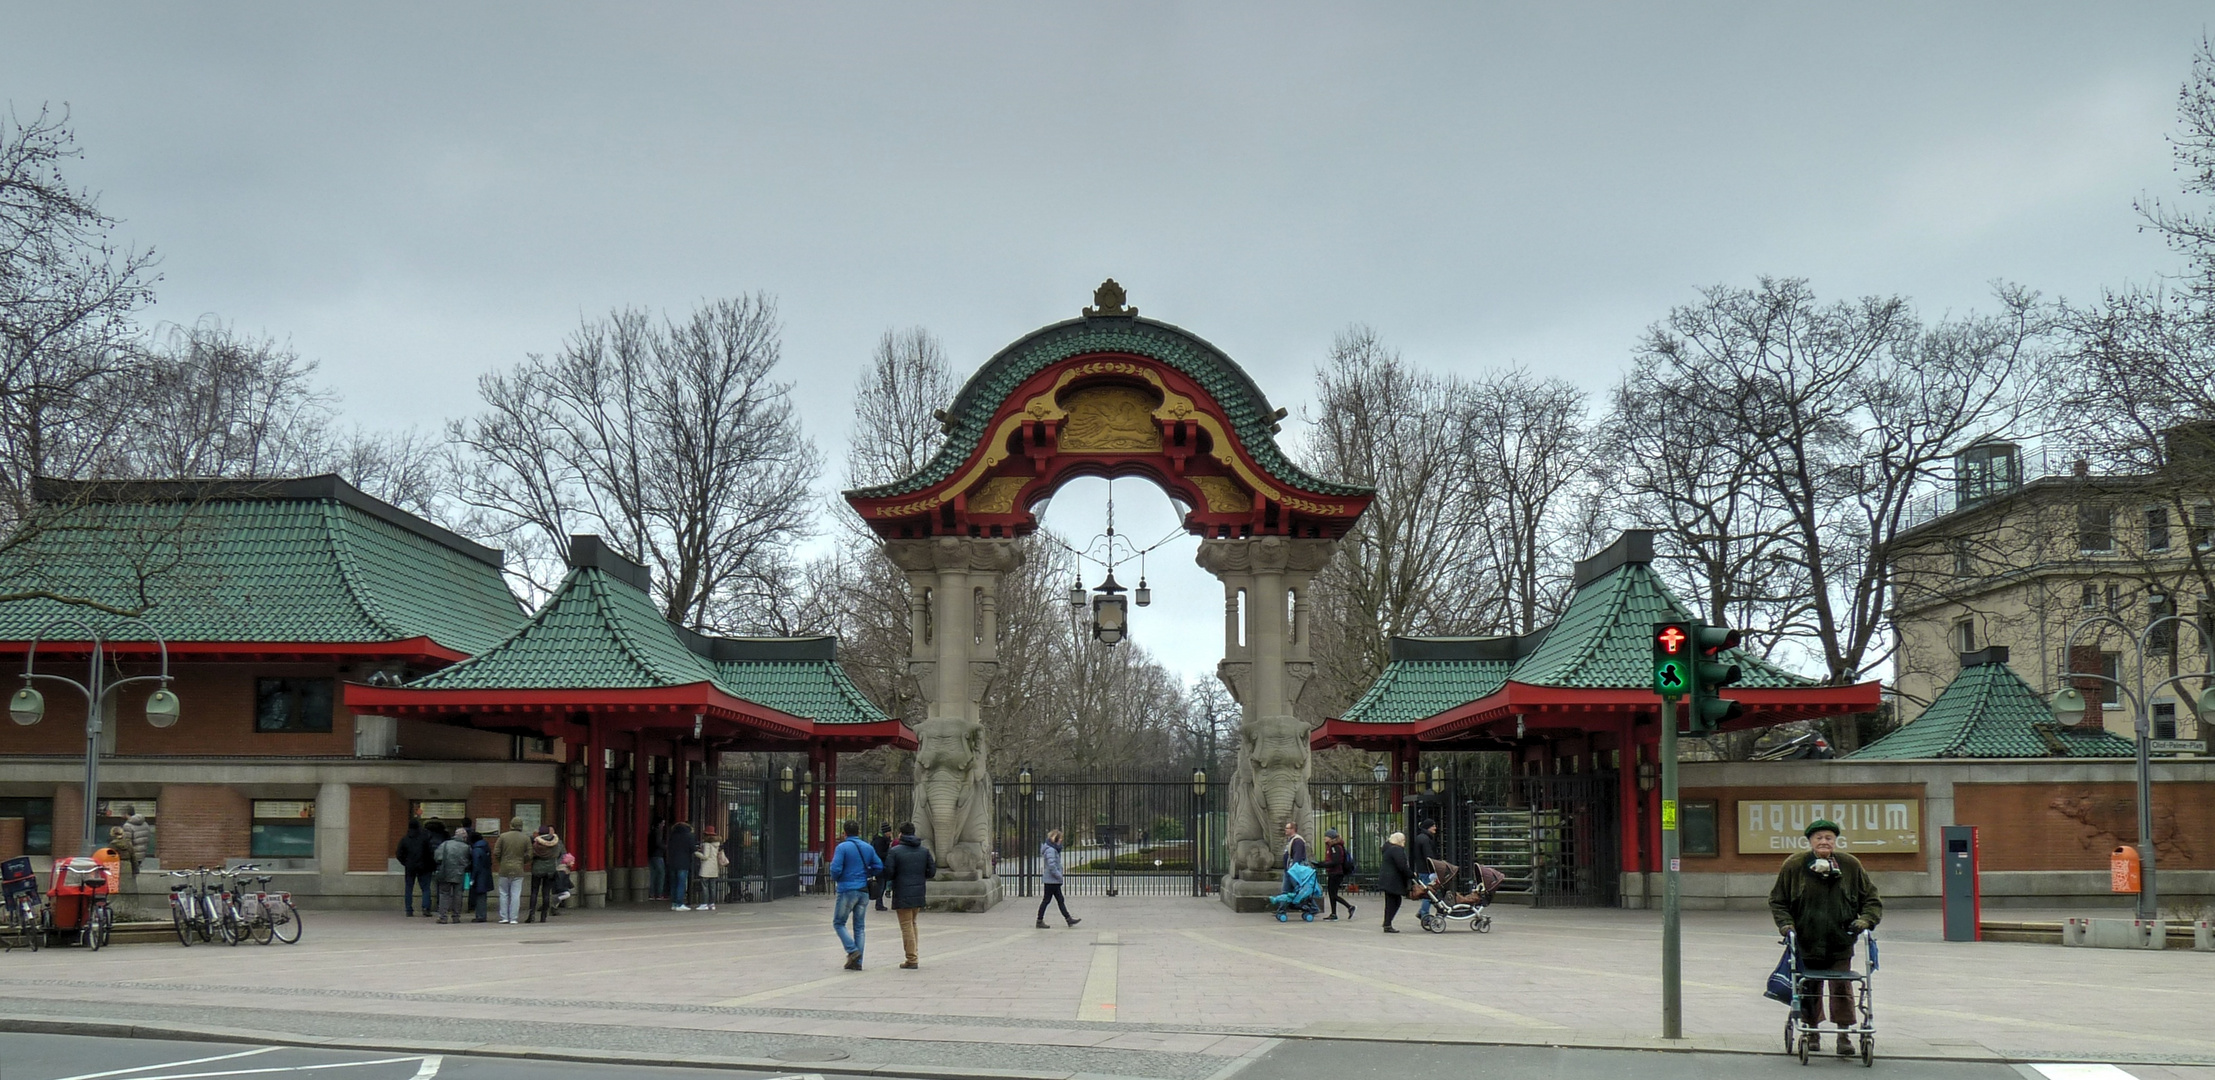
pixel 1673 673
pixel 1709 674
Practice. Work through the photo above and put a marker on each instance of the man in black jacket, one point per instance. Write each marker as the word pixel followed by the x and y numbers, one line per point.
pixel 883 844
pixel 418 859
pixel 678 847
pixel 907 870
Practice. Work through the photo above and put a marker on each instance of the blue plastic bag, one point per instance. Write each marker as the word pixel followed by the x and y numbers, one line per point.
pixel 1780 980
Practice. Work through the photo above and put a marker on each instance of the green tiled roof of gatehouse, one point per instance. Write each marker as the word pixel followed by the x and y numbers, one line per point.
pixel 1253 421
pixel 1604 638
pixel 307 561
pixel 601 632
pixel 1411 690
pixel 1988 711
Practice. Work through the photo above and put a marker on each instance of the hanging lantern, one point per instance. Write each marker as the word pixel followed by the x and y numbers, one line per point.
pixel 1110 616
pixel 1076 594
pixel 1142 594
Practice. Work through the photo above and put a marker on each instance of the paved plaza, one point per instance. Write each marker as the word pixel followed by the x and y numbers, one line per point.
pixel 1146 987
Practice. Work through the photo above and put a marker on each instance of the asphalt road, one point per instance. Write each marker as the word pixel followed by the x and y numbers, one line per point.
pixel 78 1057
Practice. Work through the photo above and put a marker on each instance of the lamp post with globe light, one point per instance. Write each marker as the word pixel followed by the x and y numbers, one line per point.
pixel 28 706
pixel 2069 709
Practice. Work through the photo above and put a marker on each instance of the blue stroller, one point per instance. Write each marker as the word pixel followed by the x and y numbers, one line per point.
pixel 1300 891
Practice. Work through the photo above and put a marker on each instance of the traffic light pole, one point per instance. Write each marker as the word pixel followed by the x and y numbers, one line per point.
pixel 1672 984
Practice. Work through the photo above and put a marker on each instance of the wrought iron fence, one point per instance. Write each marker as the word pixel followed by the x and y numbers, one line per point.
pixel 1119 837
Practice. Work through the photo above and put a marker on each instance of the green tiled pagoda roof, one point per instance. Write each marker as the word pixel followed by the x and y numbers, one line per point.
pixel 602 632
pixel 307 561
pixel 1988 711
pixel 1411 690
pixel 1251 418
pixel 1604 639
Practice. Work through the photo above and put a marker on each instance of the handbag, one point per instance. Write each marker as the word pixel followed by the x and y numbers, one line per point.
pixel 1780 980
pixel 875 884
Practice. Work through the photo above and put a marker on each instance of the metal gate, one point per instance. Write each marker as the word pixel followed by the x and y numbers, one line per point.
pixel 761 827
pixel 1119 837
pixel 1574 845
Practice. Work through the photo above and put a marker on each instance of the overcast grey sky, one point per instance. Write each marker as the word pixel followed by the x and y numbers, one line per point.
pixel 416 194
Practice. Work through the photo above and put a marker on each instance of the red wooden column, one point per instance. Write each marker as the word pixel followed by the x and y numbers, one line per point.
pixel 1627 796
pixel 593 853
pixel 680 791
pixel 641 801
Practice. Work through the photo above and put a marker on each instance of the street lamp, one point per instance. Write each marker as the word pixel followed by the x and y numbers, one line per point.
pixel 28 706
pixel 1380 770
pixel 1438 779
pixel 1023 781
pixel 2069 708
pixel 784 780
pixel 1109 614
pixel 1199 781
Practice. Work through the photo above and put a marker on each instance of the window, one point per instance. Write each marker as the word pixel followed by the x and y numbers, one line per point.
pixel 2114 597
pixel 38 823
pixel 1965 636
pixel 2095 528
pixel 453 812
pixel 283 829
pixel 1696 830
pixel 2164 719
pixel 2203 526
pixel 2162 637
pixel 2091 596
pixel 2157 528
pixel 1964 566
pixel 293 704
pixel 2111 665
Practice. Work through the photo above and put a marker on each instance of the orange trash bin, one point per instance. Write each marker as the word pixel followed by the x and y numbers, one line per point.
pixel 2122 870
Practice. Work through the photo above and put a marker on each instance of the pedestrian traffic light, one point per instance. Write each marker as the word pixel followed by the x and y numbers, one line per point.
pixel 1673 659
pixel 1709 674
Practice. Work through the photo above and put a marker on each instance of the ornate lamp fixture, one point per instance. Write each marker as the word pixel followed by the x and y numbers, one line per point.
pixel 1438 779
pixel 784 780
pixel 1199 781
pixel 1023 781
pixel 1110 609
pixel 1110 618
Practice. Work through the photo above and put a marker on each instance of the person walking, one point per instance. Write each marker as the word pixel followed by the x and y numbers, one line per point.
pixel 1049 874
pixel 511 860
pixel 1338 865
pixel 852 865
pixel 416 862
pixel 546 853
pixel 1393 877
pixel 908 869
pixel 1426 849
pixel 1825 898
pixel 138 837
pixel 678 847
pixel 480 873
pixel 712 862
pixel 453 858
pixel 883 844
pixel 657 865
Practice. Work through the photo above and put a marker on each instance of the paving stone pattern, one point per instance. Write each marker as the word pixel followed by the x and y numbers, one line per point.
pixel 1195 988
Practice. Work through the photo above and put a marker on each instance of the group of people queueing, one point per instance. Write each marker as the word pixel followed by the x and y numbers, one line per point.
pixel 460 862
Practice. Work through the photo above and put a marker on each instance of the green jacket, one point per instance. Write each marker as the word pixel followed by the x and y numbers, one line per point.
pixel 1822 909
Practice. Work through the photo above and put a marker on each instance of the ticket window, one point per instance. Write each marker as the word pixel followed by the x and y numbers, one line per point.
pixel 532 812
pixel 283 829
pixel 449 812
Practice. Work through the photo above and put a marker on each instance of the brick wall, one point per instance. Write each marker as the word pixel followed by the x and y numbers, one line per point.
pixel 2074 826
pixel 218 715
pixel 11 837
pixel 371 831
pixel 1726 825
pixel 424 740
pixel 203 824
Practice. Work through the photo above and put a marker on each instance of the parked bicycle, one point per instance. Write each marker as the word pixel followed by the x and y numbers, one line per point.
pixel 78 902
pixel 194 908
pixel 20 926
pixel 263 914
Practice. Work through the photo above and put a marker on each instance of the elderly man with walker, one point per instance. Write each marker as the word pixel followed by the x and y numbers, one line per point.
pixel 1822 901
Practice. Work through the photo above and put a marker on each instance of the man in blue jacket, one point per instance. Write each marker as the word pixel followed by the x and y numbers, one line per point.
pixel 852 865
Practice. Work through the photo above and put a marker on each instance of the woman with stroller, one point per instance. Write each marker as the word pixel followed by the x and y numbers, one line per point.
pixel 1338 865
pixel 1394 876
pixel 1826 899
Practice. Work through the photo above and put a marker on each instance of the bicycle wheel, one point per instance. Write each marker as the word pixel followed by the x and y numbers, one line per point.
pixel 285 921
pixel 226 914
pixel 102 926
pixel 182 921
pixel 203 921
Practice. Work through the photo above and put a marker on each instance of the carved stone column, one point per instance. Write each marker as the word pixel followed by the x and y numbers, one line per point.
pixel 1267 666
pixel 953 657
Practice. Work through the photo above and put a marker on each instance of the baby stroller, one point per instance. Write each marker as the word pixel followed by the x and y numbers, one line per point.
pixel 1450 906
pixel 1300 891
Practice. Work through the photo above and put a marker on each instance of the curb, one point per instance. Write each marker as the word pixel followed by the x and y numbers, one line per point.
pixel 45 1025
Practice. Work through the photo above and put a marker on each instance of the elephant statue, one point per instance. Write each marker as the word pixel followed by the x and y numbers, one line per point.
pixel 1268 789
pixel 953 796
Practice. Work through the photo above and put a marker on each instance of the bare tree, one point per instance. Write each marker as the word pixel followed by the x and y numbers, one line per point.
pixel 1531 456
pixel 217 402
pixel 68 296
pixel 896 408
pixel 670 438
pixel 1409 565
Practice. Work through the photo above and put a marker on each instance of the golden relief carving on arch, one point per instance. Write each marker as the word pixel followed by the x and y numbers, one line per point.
pixel 997 495
pixel 1110 419
pixel 1223 495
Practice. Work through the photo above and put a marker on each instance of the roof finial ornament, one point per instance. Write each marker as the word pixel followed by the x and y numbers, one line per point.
pixel 1108 300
